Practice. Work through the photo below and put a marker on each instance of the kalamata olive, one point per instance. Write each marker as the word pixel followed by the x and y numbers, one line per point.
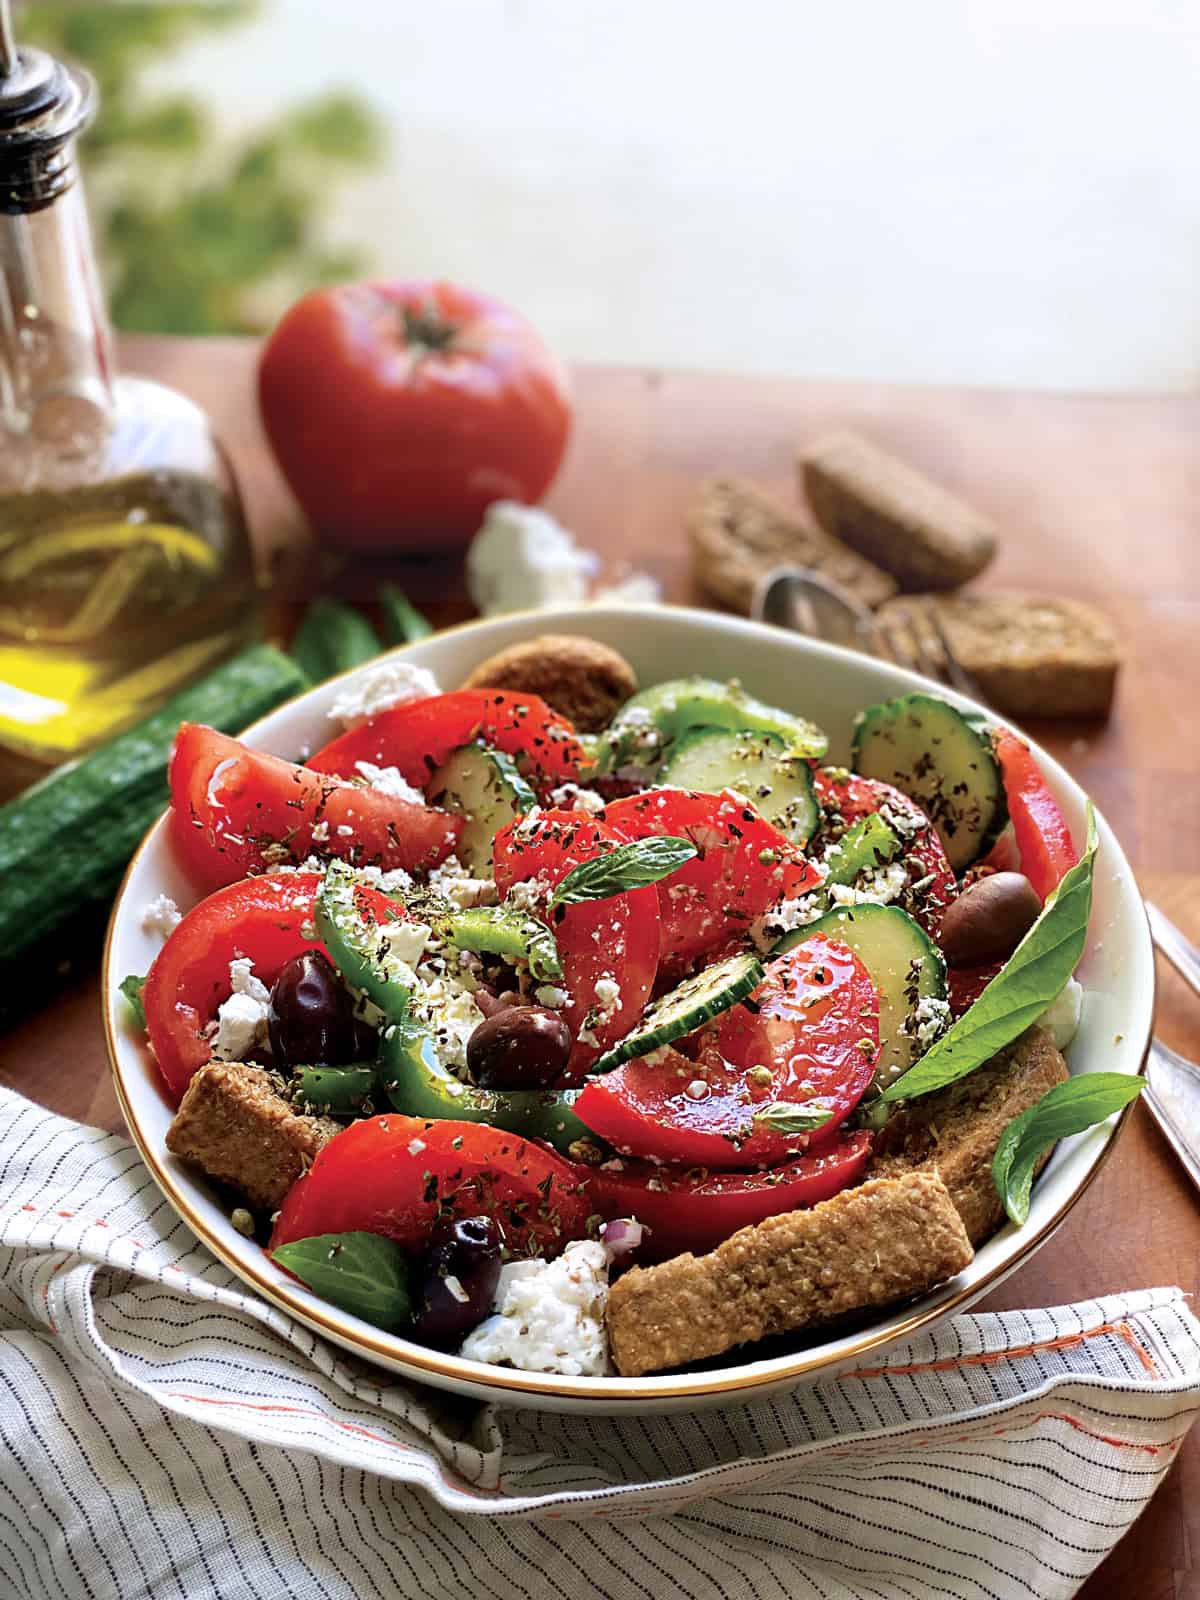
pixel 989 919
pixel 457 1279
pixel 311 1018
pixel 521 1047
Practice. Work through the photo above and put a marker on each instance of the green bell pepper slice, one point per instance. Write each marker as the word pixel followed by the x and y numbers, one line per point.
pixel 417 1083
pixel 505 931
pixel 357 947
pixel 338 1091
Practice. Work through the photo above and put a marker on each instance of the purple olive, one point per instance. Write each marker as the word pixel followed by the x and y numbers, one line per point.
pixel 311 1018
pixel 989 919
pixel 521 1047
pixel 457 1279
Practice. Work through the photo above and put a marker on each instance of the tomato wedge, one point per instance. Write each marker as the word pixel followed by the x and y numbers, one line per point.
pixel 932 884
pixel 235 811
pixel 395 1175
pixel 743 865
pixel 696 1210
pixel 262 918
pixel 418 736
pixel 964 985
pixel 614 939
pixel 1043 838
pixel 809 1033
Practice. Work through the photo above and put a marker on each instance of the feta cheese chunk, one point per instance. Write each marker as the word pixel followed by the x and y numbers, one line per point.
pixel 453 882
pixel 391 683
pixel 549 1315
pixel 927 1021
pixel 161 915
pixel 1062 1015
pixel 390 781
pixel 521 558
pixel 570 797
pixel 242 1019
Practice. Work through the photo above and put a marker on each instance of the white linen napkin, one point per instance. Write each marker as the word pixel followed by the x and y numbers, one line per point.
pixel 164 1433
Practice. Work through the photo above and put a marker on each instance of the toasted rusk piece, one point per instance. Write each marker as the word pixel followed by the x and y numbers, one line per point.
pixel 867 1247
pixel 582 679
pixel 954 1131
pixel 894 515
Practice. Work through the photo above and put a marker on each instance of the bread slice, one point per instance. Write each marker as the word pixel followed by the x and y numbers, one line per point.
pixel 895 516
pixel 737 534
pixel 954 1132
pixel 869 1246
pixel 1031 655
pixel 580 678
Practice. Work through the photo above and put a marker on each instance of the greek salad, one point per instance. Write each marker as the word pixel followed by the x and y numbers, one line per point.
pixel 562 1002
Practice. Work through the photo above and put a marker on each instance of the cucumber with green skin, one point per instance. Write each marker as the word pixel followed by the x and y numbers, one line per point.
pixel 485 787
pixel 902 962
pixel 65 843
pixel 943 761
pixel 651 721
pixel 758 765
pixel 694 1002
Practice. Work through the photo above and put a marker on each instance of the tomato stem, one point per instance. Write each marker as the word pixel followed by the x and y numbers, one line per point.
pixel 428 328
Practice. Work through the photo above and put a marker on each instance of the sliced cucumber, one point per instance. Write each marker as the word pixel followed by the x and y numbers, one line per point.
pixel 779 785
pixel 694 1002
pixel 932 753
pixel 485 787
pixel 654 719
pixel 904 965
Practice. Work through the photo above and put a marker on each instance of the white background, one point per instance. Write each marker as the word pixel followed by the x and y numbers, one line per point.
pixel 990 191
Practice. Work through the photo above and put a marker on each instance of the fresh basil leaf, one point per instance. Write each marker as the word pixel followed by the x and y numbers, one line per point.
pixel 629 866
pixel 1066 1109
pixel 131 987
pixel 402 622
pixel 1016 997
pixel 362 1272
pixel 794 1117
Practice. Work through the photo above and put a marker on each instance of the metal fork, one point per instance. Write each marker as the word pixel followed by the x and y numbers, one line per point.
pixel 912 636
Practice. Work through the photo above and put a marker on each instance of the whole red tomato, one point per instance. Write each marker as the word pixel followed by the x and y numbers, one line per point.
pixel 400 411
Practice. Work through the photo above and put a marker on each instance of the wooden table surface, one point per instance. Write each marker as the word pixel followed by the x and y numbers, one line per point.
pixel 1097 497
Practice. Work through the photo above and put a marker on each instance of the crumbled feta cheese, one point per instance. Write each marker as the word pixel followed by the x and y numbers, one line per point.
pixel 550 995
pixel 161 915
pixel 1062 1015
pixel 522 558
pixel 530 896
pixel 320 833
pixel 441 999
pixel 453 882
pixel 455 1288
pixel 549 1315
pixel 405 940
pixel 877 888
pixel 390 781
pixel 634 589
pixel 570 797
pixel 928 1021
pixel 608 996
pixel 390 683
pixel 242 1019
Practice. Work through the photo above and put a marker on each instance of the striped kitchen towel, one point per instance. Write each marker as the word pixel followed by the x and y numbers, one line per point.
pixel 165 1435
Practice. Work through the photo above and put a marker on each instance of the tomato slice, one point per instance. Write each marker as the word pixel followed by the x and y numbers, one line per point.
pixel 1043 838
pixel 809 1032
pixel 614 939
pixel 848 797
pixel 696 1210
pixel 235 811
pixel 267 919
pixel 964 985
pixel 396 1175
pixel 418 736
pixel 743 865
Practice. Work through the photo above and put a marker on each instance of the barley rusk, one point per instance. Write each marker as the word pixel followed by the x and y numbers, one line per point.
pixel 895 516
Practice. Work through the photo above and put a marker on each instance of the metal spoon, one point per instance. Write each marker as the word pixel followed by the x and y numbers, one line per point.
pixel 805 601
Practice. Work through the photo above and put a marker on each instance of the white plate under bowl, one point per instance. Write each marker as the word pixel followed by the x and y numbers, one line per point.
pixel 820 681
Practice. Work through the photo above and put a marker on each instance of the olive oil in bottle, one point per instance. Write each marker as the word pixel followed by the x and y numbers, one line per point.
pixel 125 565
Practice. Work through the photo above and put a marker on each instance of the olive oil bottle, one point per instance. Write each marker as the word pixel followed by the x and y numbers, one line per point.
pixel 125 565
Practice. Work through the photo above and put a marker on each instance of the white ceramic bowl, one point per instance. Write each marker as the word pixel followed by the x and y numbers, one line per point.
pixel 824 683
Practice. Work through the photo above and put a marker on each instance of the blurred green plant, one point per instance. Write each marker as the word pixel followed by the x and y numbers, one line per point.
pixel 196 236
